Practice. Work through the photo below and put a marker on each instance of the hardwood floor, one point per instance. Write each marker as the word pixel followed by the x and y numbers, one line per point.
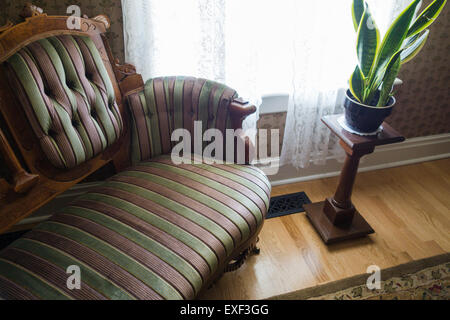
pixel 409 208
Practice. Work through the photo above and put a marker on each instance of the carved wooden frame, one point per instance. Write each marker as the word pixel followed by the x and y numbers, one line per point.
pixel 34 182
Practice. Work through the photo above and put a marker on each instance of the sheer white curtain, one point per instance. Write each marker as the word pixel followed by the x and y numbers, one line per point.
pixel 301 47
pixel 215 39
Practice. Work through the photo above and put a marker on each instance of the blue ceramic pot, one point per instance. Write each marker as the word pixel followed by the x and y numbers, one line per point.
pixel 364 118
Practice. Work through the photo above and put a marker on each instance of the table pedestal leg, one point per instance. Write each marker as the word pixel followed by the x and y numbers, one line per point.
pixel 336 219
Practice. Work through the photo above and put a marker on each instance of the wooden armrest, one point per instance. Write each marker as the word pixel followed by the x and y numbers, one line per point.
pixel 249 149
pixel 22 180
pixel 239 110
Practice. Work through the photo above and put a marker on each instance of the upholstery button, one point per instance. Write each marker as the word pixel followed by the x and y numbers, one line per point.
pixel 93 113
pixel 75 123
pixel 70 84
pixel 47 92
pixel 52 133
pixel 211 118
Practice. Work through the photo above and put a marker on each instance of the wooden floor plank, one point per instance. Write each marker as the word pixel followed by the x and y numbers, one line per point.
pixel 409 208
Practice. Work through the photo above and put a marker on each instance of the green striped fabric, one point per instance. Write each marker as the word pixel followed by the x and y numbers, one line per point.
pixel 171 103
pixel 67 96
pixel 154 231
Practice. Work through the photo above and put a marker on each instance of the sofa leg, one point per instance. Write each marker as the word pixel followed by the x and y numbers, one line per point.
pixel 254 249
pixel 237 262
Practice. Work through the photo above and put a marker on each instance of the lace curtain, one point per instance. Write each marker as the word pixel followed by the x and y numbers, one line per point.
pixel 200 38
pixel 300 47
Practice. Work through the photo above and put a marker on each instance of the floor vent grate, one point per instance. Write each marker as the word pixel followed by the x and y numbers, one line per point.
pixel 287 204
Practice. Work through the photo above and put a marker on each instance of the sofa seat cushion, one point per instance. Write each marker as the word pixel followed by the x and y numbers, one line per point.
pixel 154 231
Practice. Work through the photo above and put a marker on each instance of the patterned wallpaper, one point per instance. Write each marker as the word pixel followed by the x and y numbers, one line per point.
pixel 10 10
pixel 423 101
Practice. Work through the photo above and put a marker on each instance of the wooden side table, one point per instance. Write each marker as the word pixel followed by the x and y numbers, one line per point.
pixel 336 219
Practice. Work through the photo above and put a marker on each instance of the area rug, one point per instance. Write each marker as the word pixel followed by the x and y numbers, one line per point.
pixel 426 279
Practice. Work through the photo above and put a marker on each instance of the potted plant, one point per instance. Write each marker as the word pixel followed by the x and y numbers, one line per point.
pixel 370 97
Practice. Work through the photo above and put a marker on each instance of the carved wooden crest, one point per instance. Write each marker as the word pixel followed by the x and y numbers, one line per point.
pixel 8 25
pixel 30 10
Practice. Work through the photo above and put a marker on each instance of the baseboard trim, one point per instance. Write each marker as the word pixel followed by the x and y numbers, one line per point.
pixel 363 169
pixel 415 150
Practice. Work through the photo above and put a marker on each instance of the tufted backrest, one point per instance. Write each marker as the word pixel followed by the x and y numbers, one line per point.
pixel 170 103
pixel 67 96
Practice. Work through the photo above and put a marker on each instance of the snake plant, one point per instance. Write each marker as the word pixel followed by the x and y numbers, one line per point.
pixel 379 61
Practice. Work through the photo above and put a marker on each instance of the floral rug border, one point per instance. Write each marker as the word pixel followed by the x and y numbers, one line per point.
pixel 427 278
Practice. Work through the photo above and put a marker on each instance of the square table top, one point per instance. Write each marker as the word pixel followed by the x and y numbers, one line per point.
pixel 355 142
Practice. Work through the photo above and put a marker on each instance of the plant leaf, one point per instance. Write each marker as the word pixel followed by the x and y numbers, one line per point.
pixel 372 89
pixel 410 40
pixel 376 82
pixel 393 40
pixel 368 40
pixel 357 12
pixel 357 84
pixel 389 77
pixel 414 48
pixel 427 17
pixel 417 10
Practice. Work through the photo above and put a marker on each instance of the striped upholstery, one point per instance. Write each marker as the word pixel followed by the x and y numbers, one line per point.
pixel 67 96
pixel 170 103
pixel 155 231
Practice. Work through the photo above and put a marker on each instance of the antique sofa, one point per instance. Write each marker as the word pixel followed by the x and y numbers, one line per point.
pixel 154 230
